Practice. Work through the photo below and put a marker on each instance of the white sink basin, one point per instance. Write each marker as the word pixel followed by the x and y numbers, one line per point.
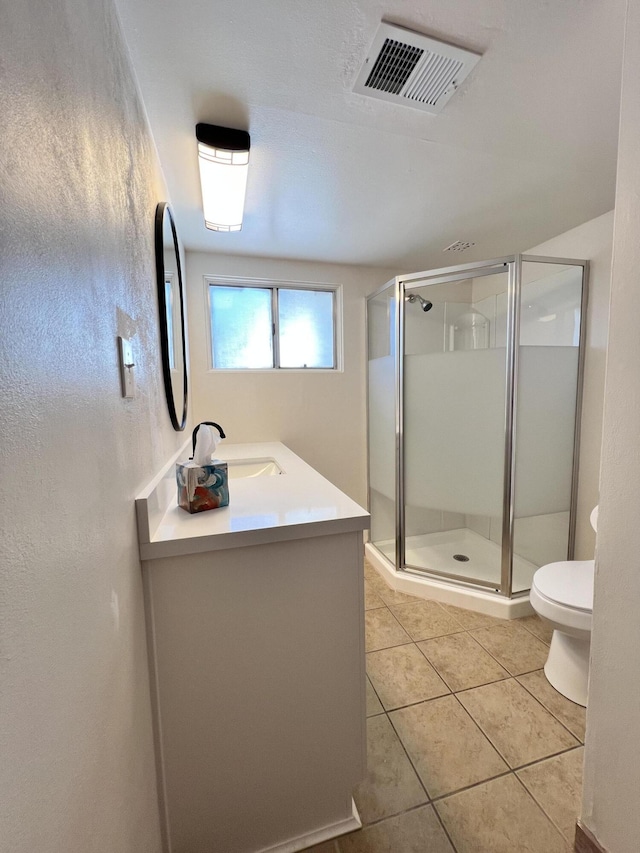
pixel 253 468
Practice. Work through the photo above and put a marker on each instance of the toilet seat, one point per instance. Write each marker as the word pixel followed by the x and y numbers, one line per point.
pixel 569 583
pixel 563 593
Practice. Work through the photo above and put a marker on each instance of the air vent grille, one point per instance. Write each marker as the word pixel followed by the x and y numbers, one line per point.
pixel 436 76
pixel 411 69
pixel 393 66
pixel 459 246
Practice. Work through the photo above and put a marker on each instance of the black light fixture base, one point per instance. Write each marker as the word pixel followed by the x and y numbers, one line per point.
pixel 222 137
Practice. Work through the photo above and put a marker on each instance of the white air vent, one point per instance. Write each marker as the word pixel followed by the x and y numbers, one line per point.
pixel 459 246
pixel 411 69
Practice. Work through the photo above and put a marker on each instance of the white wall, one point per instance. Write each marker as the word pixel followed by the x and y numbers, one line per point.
pixel 591 241
pixel 612 756
pixel 320 416
pixel 79 183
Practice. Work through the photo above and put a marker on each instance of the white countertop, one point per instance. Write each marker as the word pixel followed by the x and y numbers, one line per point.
pixel 297 504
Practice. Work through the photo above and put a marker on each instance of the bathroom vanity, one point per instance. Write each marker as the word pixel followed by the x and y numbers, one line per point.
pixel 255 619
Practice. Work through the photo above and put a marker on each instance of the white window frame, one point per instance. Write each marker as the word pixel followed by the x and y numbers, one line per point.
pixel 272 284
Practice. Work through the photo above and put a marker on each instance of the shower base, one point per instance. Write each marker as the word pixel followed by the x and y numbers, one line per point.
pixel 434 551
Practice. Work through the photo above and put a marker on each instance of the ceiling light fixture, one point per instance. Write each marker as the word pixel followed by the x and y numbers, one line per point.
pixel 223 157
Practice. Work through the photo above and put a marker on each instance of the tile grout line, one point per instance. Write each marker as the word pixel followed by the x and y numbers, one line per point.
pixel 442 676
pixel 495 746
pixel 424 787
pixel 446 831
pixel 415 770
pixel 404 749
pixel 548 710
pixel 481 730
pixel 387 818
pixel 533 633
pixel 373 687
pixel 547 758
pixel 513 676
pixel 549 818
pixel 454 793
pixel 510 772
pixel 418 777
pixel 489 652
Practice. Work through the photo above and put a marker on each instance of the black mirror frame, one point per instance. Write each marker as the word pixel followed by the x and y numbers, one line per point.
pixel 163 209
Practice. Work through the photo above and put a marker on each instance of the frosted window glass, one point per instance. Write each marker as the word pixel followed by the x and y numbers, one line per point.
pixel 241 327
pixel 306 328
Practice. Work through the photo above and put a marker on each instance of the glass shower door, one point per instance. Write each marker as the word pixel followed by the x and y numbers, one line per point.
pixel 454 395
pixel 381 353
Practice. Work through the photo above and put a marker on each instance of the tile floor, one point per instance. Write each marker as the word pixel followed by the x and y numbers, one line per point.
pixel 470 750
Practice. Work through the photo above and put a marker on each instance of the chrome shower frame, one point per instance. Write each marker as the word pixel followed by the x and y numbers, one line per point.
pixel 512 265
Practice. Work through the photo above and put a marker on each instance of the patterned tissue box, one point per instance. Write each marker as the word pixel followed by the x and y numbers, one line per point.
pixel 202 487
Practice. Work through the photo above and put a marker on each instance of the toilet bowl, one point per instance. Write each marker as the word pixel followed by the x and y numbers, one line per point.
pixel 562 593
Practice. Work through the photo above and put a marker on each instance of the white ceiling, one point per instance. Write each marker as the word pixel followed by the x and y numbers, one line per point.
pixel 524 150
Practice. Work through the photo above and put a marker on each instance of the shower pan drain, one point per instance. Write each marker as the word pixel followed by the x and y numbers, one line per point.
pixel 461 558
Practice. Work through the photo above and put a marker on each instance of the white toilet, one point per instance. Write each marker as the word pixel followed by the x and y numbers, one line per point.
pixel 562 593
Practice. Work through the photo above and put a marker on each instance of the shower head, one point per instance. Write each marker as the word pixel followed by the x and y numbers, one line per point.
pixel 424 303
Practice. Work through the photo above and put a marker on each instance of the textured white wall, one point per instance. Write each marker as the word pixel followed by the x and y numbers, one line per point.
pixel 591 241
pixel 320 416
pixel 79 183
pixel 612 757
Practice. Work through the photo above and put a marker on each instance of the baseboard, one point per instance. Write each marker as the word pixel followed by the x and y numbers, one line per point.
pixel 585 842
pixel 318 836
pixel 488 603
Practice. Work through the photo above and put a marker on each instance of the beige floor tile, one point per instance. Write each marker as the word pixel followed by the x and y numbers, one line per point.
pixel 556 785
pixel 499 817
pixel 326 847
pixel 382 589
pixel 425 619
pixel 513 646
pixel 376 583
pixel 371 598
pixel 391 785
pixel 542 630
pixel 403 676
pixel 515 723
pixel 447 748
pixel 370 573
pixel 573 716
pixel 373 703
pixel 383 630
pixel 392 596
pixel 417 831
pixel 469 619
pixel 461 661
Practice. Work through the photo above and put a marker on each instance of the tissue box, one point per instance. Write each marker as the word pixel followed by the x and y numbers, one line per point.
pixel 202 487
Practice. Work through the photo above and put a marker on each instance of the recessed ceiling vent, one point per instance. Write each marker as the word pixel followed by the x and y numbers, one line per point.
pixel 411 69
pixel 459 246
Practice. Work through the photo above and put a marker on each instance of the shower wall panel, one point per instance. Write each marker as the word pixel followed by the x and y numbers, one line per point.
pixel 545 429
pixel 454 431
pixel 382 429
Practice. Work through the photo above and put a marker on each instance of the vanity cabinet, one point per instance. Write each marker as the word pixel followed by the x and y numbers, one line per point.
pixel 256 644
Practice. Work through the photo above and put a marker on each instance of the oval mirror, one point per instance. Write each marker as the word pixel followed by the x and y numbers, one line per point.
pixel 170 300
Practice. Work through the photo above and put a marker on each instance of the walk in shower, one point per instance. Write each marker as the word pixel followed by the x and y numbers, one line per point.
pixel 474 386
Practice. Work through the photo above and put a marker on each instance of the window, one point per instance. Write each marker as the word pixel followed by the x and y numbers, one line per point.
pixel 268 325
